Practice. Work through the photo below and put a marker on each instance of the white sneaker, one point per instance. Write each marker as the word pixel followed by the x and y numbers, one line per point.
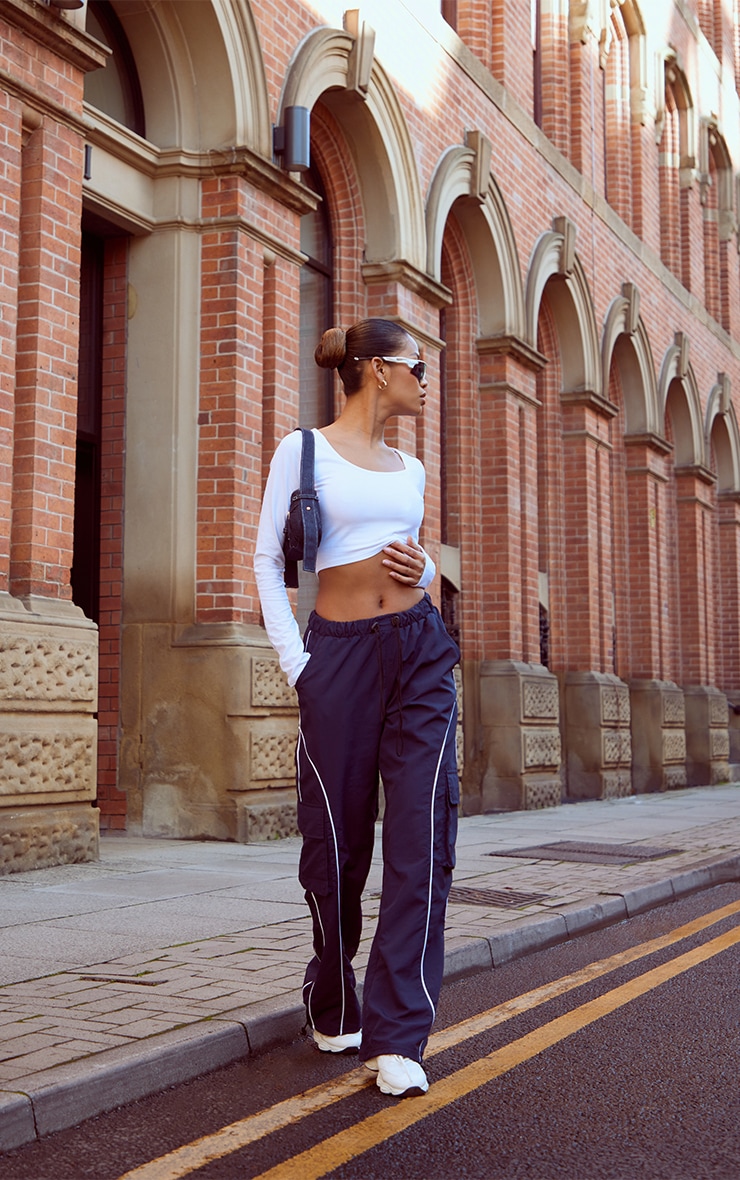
pixel 398 1075
pixel 344 1043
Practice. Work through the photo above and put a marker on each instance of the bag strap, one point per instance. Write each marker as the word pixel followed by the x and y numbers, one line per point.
pixel 307 459
pixel 309 502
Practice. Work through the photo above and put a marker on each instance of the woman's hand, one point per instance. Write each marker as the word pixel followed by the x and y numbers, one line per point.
pixel 405 561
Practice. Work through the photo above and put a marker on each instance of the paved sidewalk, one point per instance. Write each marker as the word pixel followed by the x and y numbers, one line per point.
pixel 169 958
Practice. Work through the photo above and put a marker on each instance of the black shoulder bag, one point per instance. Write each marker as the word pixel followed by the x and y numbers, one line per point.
pixel 302 533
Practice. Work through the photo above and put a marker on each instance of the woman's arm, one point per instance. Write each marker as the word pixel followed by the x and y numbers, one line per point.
pixel 269 561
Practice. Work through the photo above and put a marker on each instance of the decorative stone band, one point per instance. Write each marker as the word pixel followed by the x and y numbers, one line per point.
pixel 540 700
pixel 674 708
pixel 272 757
pixel 615 704
pixel 38 837
pixel 270 689
pixel 46 668
pixel 617 747
pixel 719 743
pixel 674 746
pixel 47 755
pixel 541 747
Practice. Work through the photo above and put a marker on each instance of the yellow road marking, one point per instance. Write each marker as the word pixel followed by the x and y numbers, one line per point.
pixel 186 1159
pixel 356 1140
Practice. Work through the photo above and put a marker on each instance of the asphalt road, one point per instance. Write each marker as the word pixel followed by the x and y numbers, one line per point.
pixel 612 1056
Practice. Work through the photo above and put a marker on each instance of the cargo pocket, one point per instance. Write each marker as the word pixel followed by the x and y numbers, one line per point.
pixel 313 866
pixel 453 802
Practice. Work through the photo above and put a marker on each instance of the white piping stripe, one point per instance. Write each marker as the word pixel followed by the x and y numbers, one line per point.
pixel 431 863
pixel 339 883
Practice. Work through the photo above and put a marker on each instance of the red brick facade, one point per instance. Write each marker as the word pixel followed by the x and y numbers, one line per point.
pixel 548 203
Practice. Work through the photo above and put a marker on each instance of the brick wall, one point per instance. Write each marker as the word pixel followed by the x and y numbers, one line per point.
pixel 540 474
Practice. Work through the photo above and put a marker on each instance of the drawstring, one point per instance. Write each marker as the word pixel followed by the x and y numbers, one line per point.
pixel 375 628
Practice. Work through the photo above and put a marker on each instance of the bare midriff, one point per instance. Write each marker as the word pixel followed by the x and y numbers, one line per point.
pixel 362 590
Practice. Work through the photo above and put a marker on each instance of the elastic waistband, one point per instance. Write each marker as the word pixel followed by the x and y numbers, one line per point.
pixel 371 626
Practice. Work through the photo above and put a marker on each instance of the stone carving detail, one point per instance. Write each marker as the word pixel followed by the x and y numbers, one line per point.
pixel 540 699
pixel 719 743
pixel 675 777
pixel 674 746
pixel 64 840
pixel 270 689
pixel 545 793
pixel 615 704
pixel 617 784
pixel 718 712
pixel 44 763
pixel 674 709
pixel 273 756
pixel 265 821
pixel 47 669
pixel 541 747
pixel 617 747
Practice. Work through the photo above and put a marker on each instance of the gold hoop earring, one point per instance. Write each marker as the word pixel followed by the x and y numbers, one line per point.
pixel 383 386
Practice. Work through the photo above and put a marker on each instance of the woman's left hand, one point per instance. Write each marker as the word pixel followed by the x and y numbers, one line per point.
pixel 405 561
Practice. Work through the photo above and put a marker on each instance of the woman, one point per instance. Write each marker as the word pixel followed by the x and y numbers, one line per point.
pixel 377 696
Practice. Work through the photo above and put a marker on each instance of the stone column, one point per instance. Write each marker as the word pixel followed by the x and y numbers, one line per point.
pixel 519 707
pixel 707 736
pixel 658 735
pixel 658 718
pixel 596 710
pixel 48 649
pixel 207 718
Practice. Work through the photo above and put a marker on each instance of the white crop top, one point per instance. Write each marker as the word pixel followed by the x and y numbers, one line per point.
pixel 361 512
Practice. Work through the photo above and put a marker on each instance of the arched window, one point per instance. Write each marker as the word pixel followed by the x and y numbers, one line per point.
pixel 718 222
pixel 114 89
pixel 317 387
pixel 618 121
pixel 675 162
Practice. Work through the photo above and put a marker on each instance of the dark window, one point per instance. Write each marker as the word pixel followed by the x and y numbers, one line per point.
pixel 316 385
pixel 85 576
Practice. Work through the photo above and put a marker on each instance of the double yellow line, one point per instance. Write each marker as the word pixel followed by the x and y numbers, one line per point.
pixel 329 1154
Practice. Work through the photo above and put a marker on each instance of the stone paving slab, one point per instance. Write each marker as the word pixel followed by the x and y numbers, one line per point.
pixel 144 1014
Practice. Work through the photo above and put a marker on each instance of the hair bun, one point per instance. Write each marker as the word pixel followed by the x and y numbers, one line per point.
pixel 332 349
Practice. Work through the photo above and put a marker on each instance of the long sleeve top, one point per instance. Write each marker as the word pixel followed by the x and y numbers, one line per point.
pixel 361 512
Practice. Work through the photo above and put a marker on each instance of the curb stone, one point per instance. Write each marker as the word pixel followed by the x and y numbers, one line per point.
pixel 61 1097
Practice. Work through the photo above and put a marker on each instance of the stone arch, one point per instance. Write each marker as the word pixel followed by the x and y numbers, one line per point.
pixel 174 46
pixel 482 214
pixel 721 431
pixel 639 387
pixel 677 373
pixel 676 81
pixel 337 66
pixel 555 261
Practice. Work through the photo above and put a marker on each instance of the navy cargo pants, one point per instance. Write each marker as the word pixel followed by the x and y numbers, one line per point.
pixel 377 698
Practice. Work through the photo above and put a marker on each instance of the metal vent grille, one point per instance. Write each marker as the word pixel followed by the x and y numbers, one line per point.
pixel 500 899
pixel 588 853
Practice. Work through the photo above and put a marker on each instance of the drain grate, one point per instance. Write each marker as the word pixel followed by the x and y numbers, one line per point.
pixel 500 899
pixel 589 853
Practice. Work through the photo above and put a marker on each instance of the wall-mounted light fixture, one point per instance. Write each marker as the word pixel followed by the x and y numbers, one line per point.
pixel 292 141
pixel 65 3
